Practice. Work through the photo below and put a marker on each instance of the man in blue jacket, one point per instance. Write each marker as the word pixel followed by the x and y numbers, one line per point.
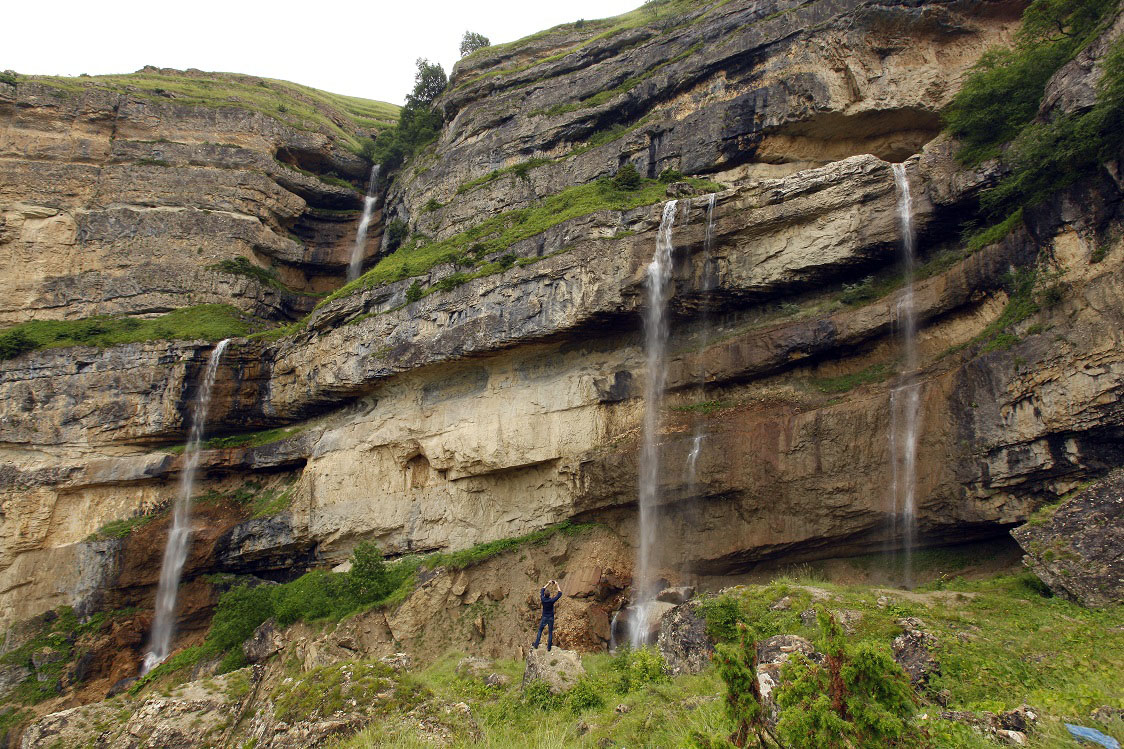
pixel 547 620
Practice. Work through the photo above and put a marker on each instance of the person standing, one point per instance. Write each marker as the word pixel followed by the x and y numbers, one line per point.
pixel 547 620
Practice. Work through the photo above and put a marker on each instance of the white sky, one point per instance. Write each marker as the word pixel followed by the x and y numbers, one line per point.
pixel 359 48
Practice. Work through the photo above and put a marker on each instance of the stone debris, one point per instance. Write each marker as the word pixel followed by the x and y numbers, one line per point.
pixel 682 640
pixel 912 650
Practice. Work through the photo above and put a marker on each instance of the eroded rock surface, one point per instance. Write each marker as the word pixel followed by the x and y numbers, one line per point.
pixel 1076 548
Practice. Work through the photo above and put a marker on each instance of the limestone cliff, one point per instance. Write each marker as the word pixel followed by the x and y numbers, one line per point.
pixel 435 408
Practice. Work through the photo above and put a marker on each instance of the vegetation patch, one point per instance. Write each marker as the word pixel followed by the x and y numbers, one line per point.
pixel 252 439
pixel 364 685
pixel 993 114
pixel 498 233
pixel 300 107
pixel 458 560
pixel 521 170
pixel 121 528
pixel 844 383
pixel 208 322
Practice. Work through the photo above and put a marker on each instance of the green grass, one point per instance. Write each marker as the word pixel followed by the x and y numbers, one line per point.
pixel 61 637
pixel 121 528
pixel 521 170
pixel 500 232
pixel 458 560
pixel 251 439
pixel 992 234
pixel 208 322
pixel 301 107
pixel 609 27
pixel 241 266
pixel 844 383
pixel 705 408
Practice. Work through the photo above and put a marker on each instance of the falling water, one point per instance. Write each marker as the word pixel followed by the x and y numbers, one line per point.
pixel 707 285
pixel 364 224
pixel 905 396
pixel 655 344
pixel 175 553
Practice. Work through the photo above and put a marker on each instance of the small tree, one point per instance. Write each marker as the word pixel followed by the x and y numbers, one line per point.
pixel 627 178
pixel 429 82
pixel 368 579
pixel 859 699
pixel 471 41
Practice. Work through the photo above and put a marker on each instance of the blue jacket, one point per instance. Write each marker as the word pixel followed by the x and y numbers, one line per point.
pixel 548 603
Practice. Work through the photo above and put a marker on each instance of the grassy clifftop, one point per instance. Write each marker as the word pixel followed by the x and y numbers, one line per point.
pixel 341 117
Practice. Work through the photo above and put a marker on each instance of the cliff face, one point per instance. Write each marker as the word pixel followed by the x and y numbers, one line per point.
pixel 122 199
pixel 509 398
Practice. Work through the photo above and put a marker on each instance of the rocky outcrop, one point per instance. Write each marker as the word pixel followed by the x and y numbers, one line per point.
pixel 683 641
pixel 125 200
pixel 1075 548
pixel 559 669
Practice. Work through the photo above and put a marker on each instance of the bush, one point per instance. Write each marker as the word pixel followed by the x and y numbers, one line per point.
pixel 396 231
pixel 722 615
pixel 737 665
pixel 584 696
pixel 368 578
pixel 638 667
pixel 418 122
pixel 239 612
pixel 627 178
pixel 859 698
pixel 471 41
pixel 538 695
pixel 670 175
pixel 15 342
pixel 415 292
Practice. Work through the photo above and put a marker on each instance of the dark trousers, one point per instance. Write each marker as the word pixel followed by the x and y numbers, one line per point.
pixel 549 624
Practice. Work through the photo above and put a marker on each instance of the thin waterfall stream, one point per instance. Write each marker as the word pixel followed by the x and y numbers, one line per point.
pixel 655 344
pixel 364 224
pixel 175 552
pixel 707 287
pixel 905 395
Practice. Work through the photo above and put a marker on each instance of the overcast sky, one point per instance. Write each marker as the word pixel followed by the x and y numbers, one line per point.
pixel 359 48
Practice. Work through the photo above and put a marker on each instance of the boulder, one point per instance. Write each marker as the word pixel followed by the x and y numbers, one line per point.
pixel 676 596
pixel 654 614
pixel 772 654
pixel 913 651
pixel 559 669
pixel 1076 549
pixel 683 641
pixel 264 642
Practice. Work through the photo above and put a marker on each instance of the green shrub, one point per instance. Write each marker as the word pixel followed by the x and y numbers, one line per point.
pixel 368 579
pixel 432 205
pixel 241 266
pixel 418 122
pixel 396 231
pixel 585 695
pixel 9 77
pixel 239 612
pixel 638 667
pixel 627 178
pixel 722 615
pixel 415 292
pixel 471 41
pixel 537 694
pixel 15 342
pixel 737 665
pixel 860 697
pixel 670 175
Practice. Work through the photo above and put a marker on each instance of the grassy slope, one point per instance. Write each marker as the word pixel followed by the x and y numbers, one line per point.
pixel 1001 643
pixel 302 107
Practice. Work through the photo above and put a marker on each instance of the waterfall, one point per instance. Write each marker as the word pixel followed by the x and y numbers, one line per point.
pixel 905 396
pixel 364 224
pixel 707 287
pixel 175 553
pixel 655 344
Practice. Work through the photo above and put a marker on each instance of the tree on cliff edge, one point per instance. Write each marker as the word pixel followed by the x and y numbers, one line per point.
pixel 471 41
pixel 418 122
